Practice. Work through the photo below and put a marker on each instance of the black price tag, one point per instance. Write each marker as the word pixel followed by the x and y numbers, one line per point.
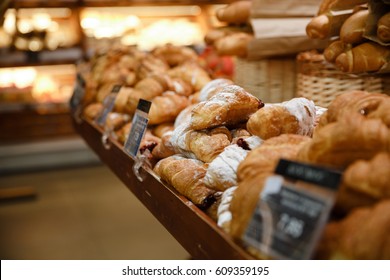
pixel 78 93
pixel 289 219
pixel 108 105
pixel 138 128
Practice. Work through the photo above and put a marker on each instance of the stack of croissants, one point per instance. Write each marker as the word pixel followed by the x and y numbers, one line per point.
pixel 355 46
pixel 215 143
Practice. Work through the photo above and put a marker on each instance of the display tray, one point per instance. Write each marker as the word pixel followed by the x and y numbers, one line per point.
pixel 191 227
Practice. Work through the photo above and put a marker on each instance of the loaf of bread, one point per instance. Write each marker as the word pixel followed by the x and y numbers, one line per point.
pixel 231 105
pixel 296 116
pixel 186 176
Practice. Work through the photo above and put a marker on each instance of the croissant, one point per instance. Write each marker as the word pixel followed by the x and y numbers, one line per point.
pixel 115 121
pixel 340 143
pixel 175 55
pixel 370 105
pixel 334 49
pixel 383 29
pixel 252 173
pixel 222 171
pixel 231 105
pixel 296 116
pixel 353 28
pixel 181 87
pixel 362 235
pixel 366 57
pixel 151 64
pixel 165 108
pixel 204 145
pixel 267 155
pixel 191 73
pixel 370 177
pixel 153 86
pixel 186 175
pixel 212 88
pixel 236 12
pixel 92 110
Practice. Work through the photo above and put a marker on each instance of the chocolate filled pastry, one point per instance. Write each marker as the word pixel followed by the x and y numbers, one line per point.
pixel 186 176
pixel 296 116
pixel 362 235
pixel 222 171
pixel 204 145
pixel 232 105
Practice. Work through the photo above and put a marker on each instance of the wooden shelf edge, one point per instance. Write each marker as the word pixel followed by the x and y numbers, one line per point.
pixel 191 227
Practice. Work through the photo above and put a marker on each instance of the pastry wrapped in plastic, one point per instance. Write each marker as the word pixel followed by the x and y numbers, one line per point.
pixel 362 235
pixel 204 145
pixel 231 105
pixel 186 176
pixel 296 116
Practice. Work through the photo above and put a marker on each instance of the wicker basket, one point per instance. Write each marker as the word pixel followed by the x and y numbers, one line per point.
pixel 271 80
pixel 321 82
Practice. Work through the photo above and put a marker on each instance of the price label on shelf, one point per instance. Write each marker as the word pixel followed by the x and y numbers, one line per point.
pixel 138 128
pixel 291 214
pixel 108 105
pixel 78 93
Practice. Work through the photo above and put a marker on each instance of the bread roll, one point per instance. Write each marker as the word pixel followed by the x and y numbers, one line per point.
pixel 334 49
pixel 235 44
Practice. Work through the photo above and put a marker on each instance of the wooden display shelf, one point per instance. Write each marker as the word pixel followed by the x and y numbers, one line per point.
pixel 191 227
